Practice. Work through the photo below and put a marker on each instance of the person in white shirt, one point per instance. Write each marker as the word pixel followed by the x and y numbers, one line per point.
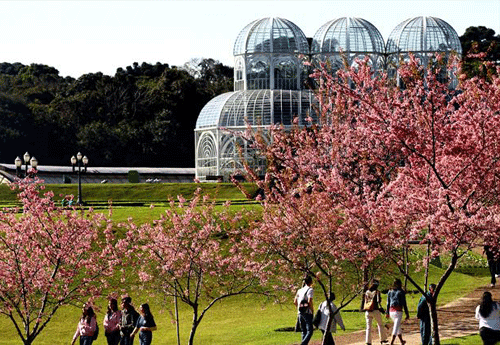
pixel 371 305
pixel 488 314
pixel 304 302
pixel 323 323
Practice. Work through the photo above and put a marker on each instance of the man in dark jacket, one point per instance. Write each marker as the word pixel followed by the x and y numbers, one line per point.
pixel 425 318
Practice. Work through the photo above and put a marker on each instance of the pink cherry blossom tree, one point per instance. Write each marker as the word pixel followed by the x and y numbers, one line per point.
pixel 195 253
pixel 49 257
pixel 394 164
pixel 444 192
pixel 304 229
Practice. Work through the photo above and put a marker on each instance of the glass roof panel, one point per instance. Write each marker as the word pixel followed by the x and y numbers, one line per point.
pixel 209 115
pixel 239 44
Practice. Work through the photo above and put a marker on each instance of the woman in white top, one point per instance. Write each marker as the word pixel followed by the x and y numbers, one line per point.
pixel 337 319
pixel 371 305
pixel 488 314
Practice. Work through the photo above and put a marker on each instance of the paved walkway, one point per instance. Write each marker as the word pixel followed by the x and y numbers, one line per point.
pixel 456 319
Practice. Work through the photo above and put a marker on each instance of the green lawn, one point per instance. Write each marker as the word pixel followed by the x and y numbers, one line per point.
pixel 469 340
pixel 238 320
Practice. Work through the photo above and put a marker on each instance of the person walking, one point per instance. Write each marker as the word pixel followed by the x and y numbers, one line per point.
pixel 396 304
pixel 87 327
pixel 111 323
pixel 425 318
pixel 304 302
pixel 371 305
pixel 324 311
pixel 145 325
pixel 493 264
pixel 488 314
pixel 128 321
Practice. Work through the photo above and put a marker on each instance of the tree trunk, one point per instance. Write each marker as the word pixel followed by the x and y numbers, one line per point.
pixel 196 322
pixel 434 322
pixel 193 331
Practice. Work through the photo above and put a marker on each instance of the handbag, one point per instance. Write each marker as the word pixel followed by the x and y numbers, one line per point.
pixel 96 333
pixel 370 306
pixel 371 298
pixel 317 319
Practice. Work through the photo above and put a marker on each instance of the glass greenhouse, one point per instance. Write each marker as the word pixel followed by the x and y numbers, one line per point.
pixel 269 77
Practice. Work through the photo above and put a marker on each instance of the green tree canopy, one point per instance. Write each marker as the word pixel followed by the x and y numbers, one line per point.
pixel 477 40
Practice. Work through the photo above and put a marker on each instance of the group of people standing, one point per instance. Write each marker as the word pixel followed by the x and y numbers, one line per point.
pixel 372 307
pixel 120 326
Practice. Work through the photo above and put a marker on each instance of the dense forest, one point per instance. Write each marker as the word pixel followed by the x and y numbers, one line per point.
pixel 144 115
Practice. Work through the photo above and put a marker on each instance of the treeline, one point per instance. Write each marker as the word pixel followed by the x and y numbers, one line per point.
pixel 144 115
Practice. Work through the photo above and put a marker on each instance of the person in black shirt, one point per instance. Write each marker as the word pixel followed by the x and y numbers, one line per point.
pixel 128 322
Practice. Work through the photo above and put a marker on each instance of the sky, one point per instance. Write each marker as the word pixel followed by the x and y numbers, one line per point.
pixel 79 37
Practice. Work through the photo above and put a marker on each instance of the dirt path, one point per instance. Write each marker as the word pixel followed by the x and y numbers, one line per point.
pixel 456 319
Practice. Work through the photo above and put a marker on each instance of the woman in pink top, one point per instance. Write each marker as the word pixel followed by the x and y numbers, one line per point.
pixel 111 323
pixel 86 327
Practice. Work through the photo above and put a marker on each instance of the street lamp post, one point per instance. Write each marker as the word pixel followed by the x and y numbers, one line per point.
pixel 78 161
pixel 26 157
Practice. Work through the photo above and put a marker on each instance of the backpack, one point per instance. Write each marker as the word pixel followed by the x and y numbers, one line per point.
pixel 304 304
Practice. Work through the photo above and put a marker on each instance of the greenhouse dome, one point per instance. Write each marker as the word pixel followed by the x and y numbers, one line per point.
pixel 217 145
pixel 351 38
pixel 267 55
pixel 423 35
pixel 271 35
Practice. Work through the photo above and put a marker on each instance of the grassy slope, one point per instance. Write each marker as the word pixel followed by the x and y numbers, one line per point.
pixel 135 193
